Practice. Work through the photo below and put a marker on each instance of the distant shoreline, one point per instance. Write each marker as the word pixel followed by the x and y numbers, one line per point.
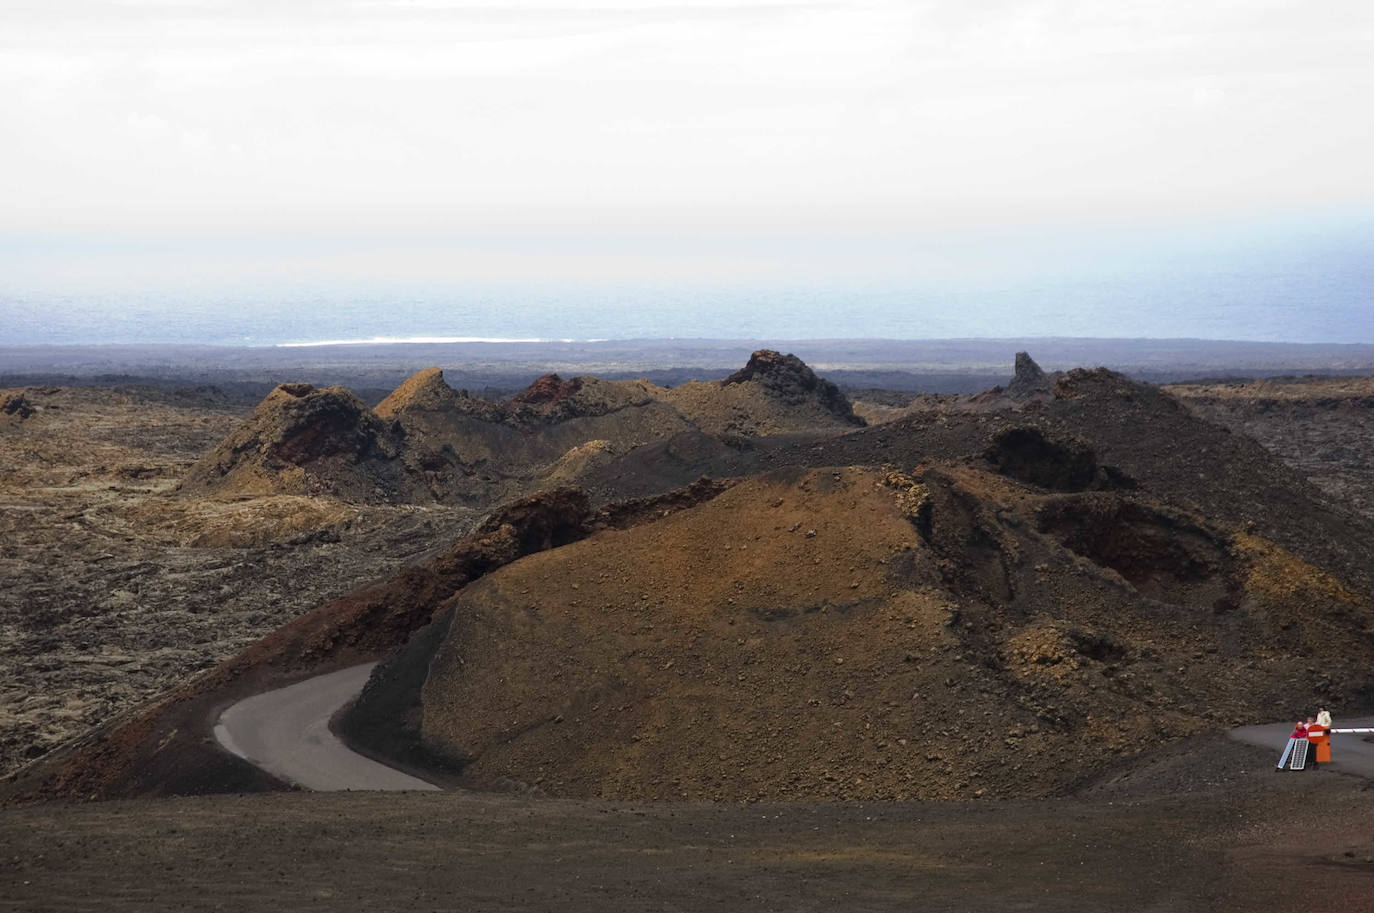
pixel 494 365
pixel 417 340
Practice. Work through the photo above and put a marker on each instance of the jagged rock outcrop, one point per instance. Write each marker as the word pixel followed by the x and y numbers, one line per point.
pixel 1029 379
pixel 772 394
pixel 1029 386
pixel 548 389
pixel 307 440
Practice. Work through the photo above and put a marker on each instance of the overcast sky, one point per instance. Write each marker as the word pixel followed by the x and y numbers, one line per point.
pixel 723 127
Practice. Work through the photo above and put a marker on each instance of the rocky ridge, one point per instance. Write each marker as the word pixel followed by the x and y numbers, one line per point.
pixel 426 441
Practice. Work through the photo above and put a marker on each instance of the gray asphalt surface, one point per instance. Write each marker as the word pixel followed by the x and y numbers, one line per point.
pixel 1350 754
pixel 286 732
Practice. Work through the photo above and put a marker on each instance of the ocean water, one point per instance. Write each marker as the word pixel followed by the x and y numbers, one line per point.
pixel 1276 287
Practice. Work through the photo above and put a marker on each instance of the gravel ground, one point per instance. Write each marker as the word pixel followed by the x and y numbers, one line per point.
pixel 1262 845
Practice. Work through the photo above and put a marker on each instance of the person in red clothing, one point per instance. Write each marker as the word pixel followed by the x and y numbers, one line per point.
pixel 1300 732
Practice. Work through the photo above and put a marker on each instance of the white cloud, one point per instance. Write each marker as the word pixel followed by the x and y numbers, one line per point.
pixel 768 117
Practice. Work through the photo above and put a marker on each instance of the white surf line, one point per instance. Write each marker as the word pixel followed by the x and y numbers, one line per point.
pixel 286 733
pixel 430 340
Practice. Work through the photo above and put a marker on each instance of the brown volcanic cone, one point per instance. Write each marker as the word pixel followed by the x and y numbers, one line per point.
pixel 852 633
pixel 423 391
pixel 308 441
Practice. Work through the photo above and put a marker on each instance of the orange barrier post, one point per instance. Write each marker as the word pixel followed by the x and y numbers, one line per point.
pixel 1321 743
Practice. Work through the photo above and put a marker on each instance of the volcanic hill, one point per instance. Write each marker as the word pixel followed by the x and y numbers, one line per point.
pixel 867 634
pixel 307 441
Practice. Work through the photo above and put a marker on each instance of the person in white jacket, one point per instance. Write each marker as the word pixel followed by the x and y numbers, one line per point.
pixel 1323 718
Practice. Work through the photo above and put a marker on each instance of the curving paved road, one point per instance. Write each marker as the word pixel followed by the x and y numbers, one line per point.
pixel 286 732
pixel 1350 753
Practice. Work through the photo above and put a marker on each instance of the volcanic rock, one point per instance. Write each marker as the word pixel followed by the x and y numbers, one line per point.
pixel 771 394
pixel 457 448
pixel 168 748
pixel 548 389
pixel 14 403
pixel 1029 378
pixel 1322 426
pixel 1029 385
